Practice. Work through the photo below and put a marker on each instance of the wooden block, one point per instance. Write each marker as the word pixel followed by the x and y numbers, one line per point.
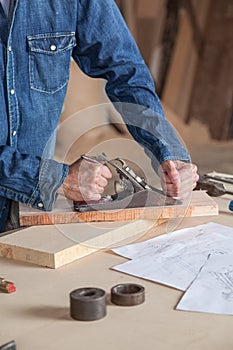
pixel 200 204
pixel 57 245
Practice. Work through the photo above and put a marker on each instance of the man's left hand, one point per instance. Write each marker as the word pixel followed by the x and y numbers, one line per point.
pixel 178 178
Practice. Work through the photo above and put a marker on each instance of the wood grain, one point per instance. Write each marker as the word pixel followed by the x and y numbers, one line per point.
pixel 57 245
pixel 198 205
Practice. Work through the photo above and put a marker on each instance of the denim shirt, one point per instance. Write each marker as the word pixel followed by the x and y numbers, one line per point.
pixel 37 41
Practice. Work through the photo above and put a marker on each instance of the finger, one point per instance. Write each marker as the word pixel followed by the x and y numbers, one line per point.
pixel 92 196
pixel 195 180
pixel 101 181
pixel 105 172
pixel 187 184
pixel 194 168
pixel 170 190
pixel 182 193
pixel 189 176
pixel 100 190
pixel 93 192
pixel 195 175
pixel 82 195
pixel 171 173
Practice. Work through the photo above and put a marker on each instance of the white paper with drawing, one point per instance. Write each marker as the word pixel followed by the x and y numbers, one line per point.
pixel 212 290
pixel 176 258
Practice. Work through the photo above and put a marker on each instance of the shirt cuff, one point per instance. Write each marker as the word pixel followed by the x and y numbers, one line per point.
pixel 51 176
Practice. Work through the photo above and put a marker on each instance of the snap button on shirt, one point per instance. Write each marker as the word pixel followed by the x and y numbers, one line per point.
pixel 53 47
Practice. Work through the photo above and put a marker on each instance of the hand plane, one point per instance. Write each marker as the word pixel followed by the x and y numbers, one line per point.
pixel 131 190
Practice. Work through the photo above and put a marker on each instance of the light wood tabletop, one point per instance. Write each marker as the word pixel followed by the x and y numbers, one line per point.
pixel 37 317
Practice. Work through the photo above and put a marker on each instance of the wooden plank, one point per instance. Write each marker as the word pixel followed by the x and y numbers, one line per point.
pixel 57 245
pixel 199 204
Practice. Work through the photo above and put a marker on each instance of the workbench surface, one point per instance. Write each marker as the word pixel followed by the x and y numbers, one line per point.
pixel 37 317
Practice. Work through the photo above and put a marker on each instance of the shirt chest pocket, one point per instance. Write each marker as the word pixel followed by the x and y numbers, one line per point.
pixel 49 61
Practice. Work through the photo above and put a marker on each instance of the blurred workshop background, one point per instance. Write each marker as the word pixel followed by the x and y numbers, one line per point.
pixel 188 47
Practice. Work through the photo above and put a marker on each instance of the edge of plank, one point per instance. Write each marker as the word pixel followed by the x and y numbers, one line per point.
pixel 32 256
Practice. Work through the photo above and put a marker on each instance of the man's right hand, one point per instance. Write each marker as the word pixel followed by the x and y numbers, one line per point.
pixel 85 181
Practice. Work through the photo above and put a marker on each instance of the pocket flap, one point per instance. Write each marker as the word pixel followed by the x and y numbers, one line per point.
pixel 51 44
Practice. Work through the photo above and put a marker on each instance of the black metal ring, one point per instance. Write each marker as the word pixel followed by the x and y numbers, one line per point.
pixel 88 304
pixel 128 294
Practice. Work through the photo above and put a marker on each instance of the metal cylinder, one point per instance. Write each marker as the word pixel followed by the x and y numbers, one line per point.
pixel 128 294
pixel 88 304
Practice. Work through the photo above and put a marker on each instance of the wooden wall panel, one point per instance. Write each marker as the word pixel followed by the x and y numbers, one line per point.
pixel 213 89
pixel 179 83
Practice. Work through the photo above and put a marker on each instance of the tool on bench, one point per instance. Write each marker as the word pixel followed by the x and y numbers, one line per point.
pixel 219 178
pixel 127 294
pixel 7 286
pixel 9 346
pixel 131 190
pixel 88 304
pixel 213 188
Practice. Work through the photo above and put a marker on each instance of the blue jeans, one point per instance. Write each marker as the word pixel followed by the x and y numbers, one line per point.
pixel 9 215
